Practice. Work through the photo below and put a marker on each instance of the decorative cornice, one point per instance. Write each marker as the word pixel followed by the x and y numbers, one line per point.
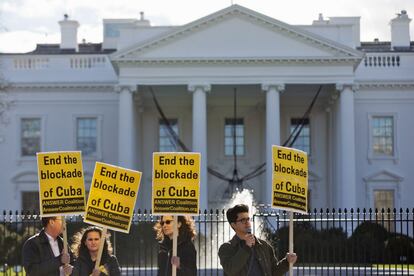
pixel 239 60
pixel 192 87
pixel 37 86
pixel 376 84
pixel 280 87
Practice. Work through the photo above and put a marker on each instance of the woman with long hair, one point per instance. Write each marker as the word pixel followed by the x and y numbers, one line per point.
pixel 185 261
pixel 85 247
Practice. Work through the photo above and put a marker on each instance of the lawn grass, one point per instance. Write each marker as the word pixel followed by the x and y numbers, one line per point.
pixel 393 266
pixel 10 272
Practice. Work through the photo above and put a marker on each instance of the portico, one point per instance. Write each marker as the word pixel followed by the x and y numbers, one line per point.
pixel 195 63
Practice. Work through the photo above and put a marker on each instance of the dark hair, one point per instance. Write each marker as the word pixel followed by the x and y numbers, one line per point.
pixel 187 228
pixel 45 220
pixel 79 248
pixel 234 211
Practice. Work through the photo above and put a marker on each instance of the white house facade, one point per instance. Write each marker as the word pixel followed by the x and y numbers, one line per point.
pixel 235 69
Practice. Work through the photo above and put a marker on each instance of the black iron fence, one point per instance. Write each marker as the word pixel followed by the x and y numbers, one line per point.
pixel 327 242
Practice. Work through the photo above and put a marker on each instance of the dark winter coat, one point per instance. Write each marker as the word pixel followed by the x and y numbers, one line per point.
pixel 185 250
pixel 38 257
pixel 235 257
pixel 84 266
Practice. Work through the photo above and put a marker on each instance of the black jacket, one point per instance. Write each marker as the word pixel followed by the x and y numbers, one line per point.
pixel 235 256
pixel 38 257
pixel 185 250
pixel 84 266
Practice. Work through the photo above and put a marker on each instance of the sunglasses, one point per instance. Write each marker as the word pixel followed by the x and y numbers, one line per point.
pixel 165 222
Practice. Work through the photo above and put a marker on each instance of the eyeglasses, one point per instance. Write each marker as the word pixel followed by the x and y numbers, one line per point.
pixel 244 220
pixel 166 222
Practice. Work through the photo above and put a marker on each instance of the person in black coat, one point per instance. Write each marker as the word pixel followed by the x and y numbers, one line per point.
pixel 186 259
pixel 85 247
pixel 43 253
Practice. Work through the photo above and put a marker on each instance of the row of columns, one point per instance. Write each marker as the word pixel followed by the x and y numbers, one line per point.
pixel 346 154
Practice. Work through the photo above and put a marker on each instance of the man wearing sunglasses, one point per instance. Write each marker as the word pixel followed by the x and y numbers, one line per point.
pixel 247 255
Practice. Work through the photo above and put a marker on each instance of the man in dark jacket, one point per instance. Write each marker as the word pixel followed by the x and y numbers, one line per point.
pixel 247 255
pixel 43 253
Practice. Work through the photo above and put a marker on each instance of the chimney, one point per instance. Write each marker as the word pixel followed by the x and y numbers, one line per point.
pixel 68 33
pixel 400 30
pixel 142 22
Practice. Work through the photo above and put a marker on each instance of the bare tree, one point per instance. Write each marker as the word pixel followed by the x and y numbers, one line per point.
pixel 5 101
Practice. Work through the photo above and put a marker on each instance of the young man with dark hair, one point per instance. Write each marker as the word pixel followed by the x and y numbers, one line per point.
pixel 43 252
pixel 247 255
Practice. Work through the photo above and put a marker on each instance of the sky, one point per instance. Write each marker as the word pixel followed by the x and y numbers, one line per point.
pixel 24 23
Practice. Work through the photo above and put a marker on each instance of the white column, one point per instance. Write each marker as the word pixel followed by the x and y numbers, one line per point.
pixel 200 135
pixel 347 146
pixel 126 146
pixel 272 132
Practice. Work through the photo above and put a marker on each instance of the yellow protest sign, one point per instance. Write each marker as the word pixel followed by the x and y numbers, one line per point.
pixel 175 183
pixel 61 186
pixel 289 179
pixel 112 197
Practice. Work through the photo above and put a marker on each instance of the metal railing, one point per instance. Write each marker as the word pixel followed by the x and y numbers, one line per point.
pixel 327 242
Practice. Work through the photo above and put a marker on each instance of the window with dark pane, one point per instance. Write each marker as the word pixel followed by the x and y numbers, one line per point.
pixel 234 136
pixel 30 201
pixel 86 138
pixel 303 141
pixel 30 136
pixel 167 142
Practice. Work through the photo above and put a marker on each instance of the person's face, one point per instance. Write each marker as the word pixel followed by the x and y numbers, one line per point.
pixel 92 242
pixel 55 227
pixel 242 224
pixel 167 224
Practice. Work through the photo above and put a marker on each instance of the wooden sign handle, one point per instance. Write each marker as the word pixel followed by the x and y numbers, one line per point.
pixel 290 241
pixel 101 246
pixel 175 239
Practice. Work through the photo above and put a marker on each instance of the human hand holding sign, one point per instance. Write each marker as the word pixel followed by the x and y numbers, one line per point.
pixel 175 260
pixel 65 257
pixel 291 258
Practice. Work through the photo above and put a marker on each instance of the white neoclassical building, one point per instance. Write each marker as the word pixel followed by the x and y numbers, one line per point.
pixel 233 69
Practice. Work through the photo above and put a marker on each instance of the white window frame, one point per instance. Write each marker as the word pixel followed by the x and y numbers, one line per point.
pixel 99 136
pixel 223 138
pixel 19 118
pixel 371 155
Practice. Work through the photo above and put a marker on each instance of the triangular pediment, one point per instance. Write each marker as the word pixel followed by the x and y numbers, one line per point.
pixel 237 33
pixel 383 176
pixel 25 177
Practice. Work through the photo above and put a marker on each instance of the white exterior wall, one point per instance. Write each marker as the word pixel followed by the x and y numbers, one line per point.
pixel 58 111
pixel 202 53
